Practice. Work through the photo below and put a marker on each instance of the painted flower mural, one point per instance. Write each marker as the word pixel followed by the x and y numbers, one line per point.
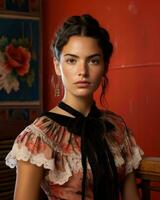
pixel 15 58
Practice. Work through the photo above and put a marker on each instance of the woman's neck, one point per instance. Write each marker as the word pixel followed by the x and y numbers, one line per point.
pixel 82 105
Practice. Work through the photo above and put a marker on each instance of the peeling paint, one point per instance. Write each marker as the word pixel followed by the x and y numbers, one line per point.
pixel 133 8
pixel 131 107
pixel 108 8
pixel 155 64
pixel 147 100
pixel 115 45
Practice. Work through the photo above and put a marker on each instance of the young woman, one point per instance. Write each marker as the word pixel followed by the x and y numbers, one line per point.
pixel 77 151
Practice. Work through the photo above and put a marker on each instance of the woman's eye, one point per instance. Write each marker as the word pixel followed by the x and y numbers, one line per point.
pixel 71 60
pixel 94 61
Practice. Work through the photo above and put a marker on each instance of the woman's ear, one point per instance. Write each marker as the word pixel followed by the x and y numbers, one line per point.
pixel 56 66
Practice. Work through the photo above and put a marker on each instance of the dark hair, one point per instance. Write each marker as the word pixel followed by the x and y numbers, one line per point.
pixel 85 25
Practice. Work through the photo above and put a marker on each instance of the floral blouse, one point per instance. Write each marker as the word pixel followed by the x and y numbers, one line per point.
pixel 46 143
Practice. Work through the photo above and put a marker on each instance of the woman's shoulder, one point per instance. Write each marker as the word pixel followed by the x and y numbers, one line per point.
pixel 40 141
pixel 47 121
pixel 111 114
pixel 42 126
pixel 122 143
pixel 44 123
pixel 115 119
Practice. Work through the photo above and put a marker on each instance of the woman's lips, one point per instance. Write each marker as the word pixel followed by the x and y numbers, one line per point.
pixel 82 84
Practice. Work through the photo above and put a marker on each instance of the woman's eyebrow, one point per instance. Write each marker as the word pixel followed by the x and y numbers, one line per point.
pixel 94 55
pixel 90 56
pixel 73 55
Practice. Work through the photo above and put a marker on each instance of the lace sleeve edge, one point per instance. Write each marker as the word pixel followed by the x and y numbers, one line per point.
pixel 135 162
pixel 23 154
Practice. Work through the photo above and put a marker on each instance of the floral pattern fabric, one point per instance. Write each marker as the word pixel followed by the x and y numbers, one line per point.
pixel 46 143
pixel 15 63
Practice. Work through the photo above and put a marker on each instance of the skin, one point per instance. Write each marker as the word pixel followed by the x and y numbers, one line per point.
pixel 27 181
pixel 81 60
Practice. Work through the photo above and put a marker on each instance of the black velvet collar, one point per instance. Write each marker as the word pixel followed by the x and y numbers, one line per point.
pixel 69 122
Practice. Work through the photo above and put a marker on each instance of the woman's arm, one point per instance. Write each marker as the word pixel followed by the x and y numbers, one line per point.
pixel 28 181
pixel 129 188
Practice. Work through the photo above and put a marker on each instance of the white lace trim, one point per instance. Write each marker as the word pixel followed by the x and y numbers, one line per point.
pixel 60 177
pixel 135 161
pixel 72 163
pixel 132 163
pixel 37 132
pixel 23 154
pixel 119 161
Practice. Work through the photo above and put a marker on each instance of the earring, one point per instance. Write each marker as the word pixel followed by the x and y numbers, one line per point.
pixel 57 85
pixel 57 88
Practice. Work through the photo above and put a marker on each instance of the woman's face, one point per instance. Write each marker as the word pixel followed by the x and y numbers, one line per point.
pixel 81 66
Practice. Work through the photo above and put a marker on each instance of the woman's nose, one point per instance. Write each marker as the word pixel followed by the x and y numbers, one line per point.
pixel 83 69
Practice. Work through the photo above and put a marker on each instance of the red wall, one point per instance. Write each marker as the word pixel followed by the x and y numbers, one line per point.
pixel 134 88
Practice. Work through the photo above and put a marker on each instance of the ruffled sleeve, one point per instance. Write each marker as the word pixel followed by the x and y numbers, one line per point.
pixel 127 154
pixel 45 143
pixel 32 145
pixel 131 152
